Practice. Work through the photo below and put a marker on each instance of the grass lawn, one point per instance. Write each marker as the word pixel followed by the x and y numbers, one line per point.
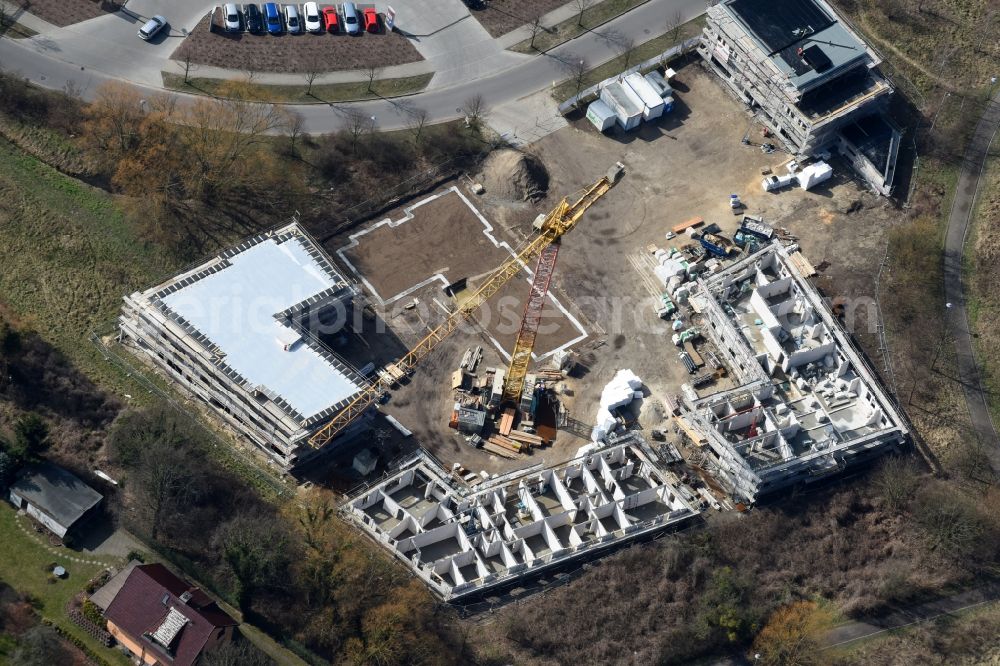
pixel 297 94
pixel 599 14
pixel 643 51
pixel 24 566
pixel 68 257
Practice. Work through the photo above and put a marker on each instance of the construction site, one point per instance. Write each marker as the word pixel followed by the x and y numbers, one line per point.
pixel 586 342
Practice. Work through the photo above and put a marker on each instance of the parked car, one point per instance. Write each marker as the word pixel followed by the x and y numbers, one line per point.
pixel 292 19
pixel 330 19
pixel 310 13
pixel 231 18
pixel 272 18
pixel 252 15
pixel 151 27
pixel 370 19
pixel 351 25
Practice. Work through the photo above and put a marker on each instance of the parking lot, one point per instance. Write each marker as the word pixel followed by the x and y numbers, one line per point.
pixel 287 52
pixel 686 164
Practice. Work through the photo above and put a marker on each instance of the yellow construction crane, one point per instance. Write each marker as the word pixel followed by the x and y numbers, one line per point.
pixel 559 221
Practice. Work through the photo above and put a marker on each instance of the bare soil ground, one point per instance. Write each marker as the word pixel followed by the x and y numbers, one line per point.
pixel 444 237
pixel 501 16
pixel 292 53
pixel 683 165
pixel 66 13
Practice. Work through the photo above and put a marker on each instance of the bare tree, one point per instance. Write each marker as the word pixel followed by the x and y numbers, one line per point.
pixel 577 68
pixel 186 65
pixel 294 131
pixel 373 73
pixel 536 28
pixel 357 122
pixel 674 25
pixel 625 47
pixel 416 121
pixel 581 6
pixel 474 109
pixel 312 72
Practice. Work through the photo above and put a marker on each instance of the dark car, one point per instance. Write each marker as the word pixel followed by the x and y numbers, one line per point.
pixel 251 13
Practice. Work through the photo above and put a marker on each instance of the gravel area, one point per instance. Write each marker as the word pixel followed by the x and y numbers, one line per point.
pixel 502 16
pixel 67 12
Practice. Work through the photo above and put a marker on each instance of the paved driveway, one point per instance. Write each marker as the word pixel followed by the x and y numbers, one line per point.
pixel 958 229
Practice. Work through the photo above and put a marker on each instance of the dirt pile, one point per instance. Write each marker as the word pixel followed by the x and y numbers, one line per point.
pixel 514 176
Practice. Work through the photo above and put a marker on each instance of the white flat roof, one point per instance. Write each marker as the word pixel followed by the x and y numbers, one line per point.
pixel 234 308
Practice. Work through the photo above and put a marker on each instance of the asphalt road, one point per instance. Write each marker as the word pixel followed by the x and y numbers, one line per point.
pixel 958 318
pixel 56 69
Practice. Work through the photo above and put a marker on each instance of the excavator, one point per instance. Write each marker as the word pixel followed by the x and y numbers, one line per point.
pixel 543 247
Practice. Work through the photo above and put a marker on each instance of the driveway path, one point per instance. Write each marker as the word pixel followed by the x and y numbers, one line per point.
pixel 958 228
pixel 904 617
pixel 53 66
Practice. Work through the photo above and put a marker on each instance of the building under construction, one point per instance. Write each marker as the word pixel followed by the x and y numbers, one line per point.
pixel 808 77
pixel 806 406
pixel 238 331
pixel 463 541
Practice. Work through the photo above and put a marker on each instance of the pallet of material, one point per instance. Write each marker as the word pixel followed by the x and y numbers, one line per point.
pixel 693 353
pixel 509 444
pixel 499 450
pixel 507 422
pixel 527 438
pixel 549 375
pixel 683 226
pixel 394 371
pixel 695 436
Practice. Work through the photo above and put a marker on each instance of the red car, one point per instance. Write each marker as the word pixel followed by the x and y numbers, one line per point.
pixel 330 19
pixel 370 17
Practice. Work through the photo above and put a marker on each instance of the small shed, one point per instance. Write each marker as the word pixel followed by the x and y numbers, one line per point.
pixel 471 421
pixel 54 497
pixel 600 115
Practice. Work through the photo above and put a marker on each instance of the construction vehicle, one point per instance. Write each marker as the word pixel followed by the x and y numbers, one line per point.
pixel 550 229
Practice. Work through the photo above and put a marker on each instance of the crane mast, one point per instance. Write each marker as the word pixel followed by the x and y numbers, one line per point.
pixel 560 220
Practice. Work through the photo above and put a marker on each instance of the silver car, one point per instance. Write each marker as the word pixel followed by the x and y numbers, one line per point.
pixel 351 24
pixel 231 18
pixel 151 27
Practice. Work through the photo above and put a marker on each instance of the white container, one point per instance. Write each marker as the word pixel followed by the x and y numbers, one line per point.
pixel 814 174
pixel 600 115
pixel 652 103
pixel 656 80
pixel 625 104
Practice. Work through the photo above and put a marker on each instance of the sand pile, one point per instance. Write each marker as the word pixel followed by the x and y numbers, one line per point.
pixel 514 176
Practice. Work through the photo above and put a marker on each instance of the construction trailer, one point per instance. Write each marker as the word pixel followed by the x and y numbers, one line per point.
pixel 808 77
pixel 237 332
pixel 601 116
pixel 652 103
pixel 805 405
pixel 625 104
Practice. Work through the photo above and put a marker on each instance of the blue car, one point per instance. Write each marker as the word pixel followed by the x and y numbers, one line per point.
pixel 272 18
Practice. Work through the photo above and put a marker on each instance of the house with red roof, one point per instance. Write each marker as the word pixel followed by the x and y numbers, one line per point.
pixel 163 620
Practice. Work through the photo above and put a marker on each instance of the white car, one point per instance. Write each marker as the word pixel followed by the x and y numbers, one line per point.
pixel 151 27
pixel 292 21
pixel 314 23
pixel 231 18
